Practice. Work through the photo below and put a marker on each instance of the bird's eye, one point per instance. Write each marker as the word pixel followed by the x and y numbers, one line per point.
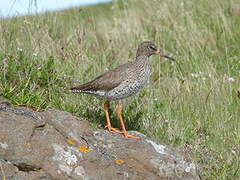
pixel 152 48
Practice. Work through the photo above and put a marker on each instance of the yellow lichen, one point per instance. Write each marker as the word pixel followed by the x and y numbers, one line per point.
pixel 39 170
pixel 71 141
pixel 119 161
pixel 83 149
pixel 28 143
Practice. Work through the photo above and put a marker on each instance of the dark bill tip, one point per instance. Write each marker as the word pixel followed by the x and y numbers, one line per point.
pixel 172 59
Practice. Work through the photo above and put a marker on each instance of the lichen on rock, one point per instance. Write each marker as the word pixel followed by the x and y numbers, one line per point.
pixel 56 145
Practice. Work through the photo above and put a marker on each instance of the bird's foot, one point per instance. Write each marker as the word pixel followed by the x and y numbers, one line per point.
pixel 124 133
pixel 111 129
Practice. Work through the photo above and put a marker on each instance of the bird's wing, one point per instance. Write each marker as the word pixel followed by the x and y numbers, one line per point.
pixel 107 81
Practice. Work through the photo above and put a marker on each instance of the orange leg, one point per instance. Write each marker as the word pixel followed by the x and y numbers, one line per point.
pixel 119 114
pixel 110 128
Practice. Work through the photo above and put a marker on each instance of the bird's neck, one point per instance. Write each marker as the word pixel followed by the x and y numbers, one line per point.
pixel 143 59
pixel 143 66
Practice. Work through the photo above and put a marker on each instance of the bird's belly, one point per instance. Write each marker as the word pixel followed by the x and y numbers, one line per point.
pixel 131 85
pixel 126 90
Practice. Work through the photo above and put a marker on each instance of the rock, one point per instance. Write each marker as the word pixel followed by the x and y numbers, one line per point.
pixel 56 145
pixel 4 101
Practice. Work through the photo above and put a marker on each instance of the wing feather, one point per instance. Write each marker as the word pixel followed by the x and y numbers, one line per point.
pixel 107 81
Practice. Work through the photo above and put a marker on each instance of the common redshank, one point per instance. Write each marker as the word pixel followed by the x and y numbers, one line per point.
pixel 122 82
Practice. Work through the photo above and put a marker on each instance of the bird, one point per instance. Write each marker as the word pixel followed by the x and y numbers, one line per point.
pixel 122 82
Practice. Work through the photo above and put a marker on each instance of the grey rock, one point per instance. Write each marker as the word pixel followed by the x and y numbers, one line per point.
pixel 4 101
pixel 56 145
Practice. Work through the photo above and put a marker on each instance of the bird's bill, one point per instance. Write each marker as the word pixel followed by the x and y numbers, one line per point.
pixel 163 55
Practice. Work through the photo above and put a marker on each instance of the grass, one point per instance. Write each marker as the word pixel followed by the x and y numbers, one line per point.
pixel 191 103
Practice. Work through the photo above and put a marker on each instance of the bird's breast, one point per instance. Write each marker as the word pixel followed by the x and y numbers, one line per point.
pixel 132 84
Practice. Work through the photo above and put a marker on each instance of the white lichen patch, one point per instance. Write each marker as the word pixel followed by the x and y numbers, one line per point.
pixel 190 168
pixel 75 151
pixel 65 169
pixel 64 156
pixel 173 166
pixel 158 147
pixel 164 167
pixel 67 159
pixel 125 174
pixel 3 145
pixel 80 172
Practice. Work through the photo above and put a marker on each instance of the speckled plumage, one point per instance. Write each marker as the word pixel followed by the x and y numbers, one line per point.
pixel 123 81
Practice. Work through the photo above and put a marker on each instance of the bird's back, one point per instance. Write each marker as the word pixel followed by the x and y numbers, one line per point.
pixel 106 81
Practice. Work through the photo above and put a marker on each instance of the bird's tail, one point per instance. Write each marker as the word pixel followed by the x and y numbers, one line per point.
pixel 73 90
pixel 82 88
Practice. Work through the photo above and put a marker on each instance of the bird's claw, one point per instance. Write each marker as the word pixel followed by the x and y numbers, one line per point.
pixel 111 129
pixel 124 133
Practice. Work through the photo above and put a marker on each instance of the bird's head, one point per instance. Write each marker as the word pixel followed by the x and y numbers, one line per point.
pixel 147 48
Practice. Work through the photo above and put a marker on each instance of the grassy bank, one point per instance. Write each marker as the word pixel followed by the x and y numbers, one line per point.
pixel 191 103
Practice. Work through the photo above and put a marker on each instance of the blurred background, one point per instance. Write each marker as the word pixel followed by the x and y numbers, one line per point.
pixel 11 8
